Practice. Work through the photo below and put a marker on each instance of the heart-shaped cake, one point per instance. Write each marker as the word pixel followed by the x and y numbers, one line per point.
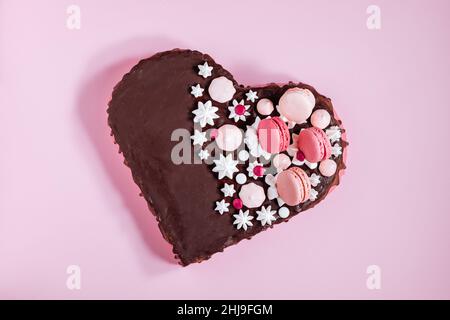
pixel 218 162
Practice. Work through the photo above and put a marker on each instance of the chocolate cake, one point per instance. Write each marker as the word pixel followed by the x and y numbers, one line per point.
pixel 204 199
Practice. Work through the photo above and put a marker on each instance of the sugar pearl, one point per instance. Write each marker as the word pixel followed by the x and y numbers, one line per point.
pixel 265 107
pixel 283 212
pixel 237 203
pixel 241 178
pixel 243 155
pixel 327 167
pixel 320 119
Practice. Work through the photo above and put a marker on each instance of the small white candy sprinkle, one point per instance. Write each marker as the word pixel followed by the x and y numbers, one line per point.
pixel 241 178
pixel 283 212
pixel 243 155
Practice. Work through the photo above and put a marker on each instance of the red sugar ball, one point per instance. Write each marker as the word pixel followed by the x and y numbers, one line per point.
pixel 300 155
pixel 258 171
pixel 237 203
pixel 239 109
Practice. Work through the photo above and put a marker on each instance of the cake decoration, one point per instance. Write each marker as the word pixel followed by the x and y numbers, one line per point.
pixel 243 155
pixel 243 220
pixel 333 133
pixel 328 167
pixel 197 91
pixel 268 153
pixel 265 107
pixel 252 195
pixel 237 203
pixel 238 111
pixel 336 150
pixel 198 138
pixel 293 186
pixel 221 89
pixel 203 154
pixel 296 104
pixel 205 70
pixel 251 96
pixel 222 206
pixel 320 119
pixel 283 212
pixel 314 144
pixel 273 135
pixel 313 195
pixel 314 179
pixel 205 113
pixel 225 166
pixel 228 190
pixel 255 170
pixel 229 137
pixel 241 178
pixel 266 215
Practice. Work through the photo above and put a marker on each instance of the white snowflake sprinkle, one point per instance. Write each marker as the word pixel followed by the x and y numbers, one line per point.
pixel 204 70
pixel 313 195
pixel 314 179
pixel 205 113
pixel 333 133
pixel 336 150
pixel 203 154
pixel 228 190
pixel 198 138
pixel 225 166
pixel 234 115
pixel 197 91
pixel 242 220
pixel 251 95
pixel 266 215
pixel 222 206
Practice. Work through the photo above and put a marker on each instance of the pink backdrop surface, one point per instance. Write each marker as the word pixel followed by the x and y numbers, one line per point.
pixel 66 199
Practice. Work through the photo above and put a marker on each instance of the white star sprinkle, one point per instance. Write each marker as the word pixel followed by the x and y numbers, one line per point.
pixel 266 215
pixel 222 206
pixel 228 190
pixel 242 220
pixel 225 166
pixel 197 91
pixel 333 133
pixel 203 154
pixel 251 95
pixel 313 195
pixel 204 70
pixel 205 113
pixel 336 150
pixel 314 179
pixel 199 138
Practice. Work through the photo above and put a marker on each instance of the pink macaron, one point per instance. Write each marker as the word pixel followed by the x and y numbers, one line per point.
pixel 273 135
pixel 293 186
pixel 314 144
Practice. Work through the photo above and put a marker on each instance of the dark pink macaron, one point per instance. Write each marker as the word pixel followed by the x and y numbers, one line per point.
pixel 273 135
pixel 314 144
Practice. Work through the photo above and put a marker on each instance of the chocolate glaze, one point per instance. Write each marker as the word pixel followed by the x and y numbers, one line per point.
pixel 150 102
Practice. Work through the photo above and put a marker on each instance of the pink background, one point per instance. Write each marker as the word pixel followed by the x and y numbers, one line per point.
pixel 66 198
